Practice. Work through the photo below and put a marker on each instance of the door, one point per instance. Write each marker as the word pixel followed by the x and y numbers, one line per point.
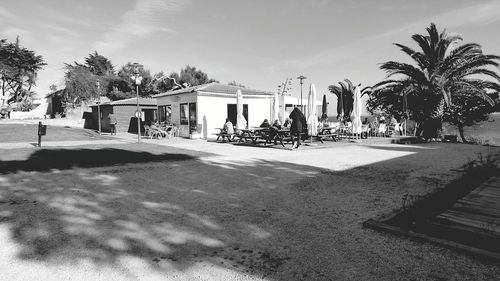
pixel 193 120
pixel 231 112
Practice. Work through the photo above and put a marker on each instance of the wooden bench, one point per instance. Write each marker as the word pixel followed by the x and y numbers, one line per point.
pixel 325 133
pixel 224 136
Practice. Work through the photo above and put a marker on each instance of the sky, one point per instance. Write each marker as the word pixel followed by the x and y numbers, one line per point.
pixel 257 43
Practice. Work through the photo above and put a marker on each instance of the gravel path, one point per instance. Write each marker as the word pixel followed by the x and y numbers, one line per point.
pixel 223 212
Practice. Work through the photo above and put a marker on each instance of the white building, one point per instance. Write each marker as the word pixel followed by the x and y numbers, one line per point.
pixel 200 110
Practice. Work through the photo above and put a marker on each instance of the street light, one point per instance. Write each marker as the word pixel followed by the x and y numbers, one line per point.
pixel 301 77
pixel 98 86
pixel 137 78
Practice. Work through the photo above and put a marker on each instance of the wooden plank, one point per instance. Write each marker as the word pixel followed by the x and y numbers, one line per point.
pixel 468 215
pixel 422 237
pixel 484 224
pixel 477 210
pixel 479 205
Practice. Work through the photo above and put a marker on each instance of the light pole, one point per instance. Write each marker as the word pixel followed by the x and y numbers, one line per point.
pixel 137 78
pixel 301 77
pixel 98 86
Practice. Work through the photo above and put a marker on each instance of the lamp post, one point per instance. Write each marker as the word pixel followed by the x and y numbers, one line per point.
pixel 98 86
pixel 137 78
pixel 301 78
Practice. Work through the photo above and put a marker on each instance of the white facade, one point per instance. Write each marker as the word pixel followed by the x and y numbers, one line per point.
pixel 212 109
pixel 207 107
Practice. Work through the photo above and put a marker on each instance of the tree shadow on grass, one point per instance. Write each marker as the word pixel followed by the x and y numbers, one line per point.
pixel 63 159
pixel 262 218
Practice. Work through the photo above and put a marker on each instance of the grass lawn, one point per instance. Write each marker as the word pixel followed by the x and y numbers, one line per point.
pixel 149 212
pixel 29 133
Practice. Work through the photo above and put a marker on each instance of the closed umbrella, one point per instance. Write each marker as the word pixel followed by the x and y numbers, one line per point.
pixel 312 119
pixel 275 108
pixel 241 122
pixel 324 109
pixel 340 107
pixel 356 112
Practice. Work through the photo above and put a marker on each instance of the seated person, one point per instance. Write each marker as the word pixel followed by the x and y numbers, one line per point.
pixel 157 127
pixel 228 128
pixel 287 123
pixel 265 124
pixel 273 132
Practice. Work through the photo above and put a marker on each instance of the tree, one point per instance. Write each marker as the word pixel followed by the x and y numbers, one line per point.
pixel 345 98
pixel 146 87
pixel 441 70
pixel 99 65
pixel 188 76
pixel 192 76
pixel 81 79
pixel 18 70
pixel 234 83
pixel 468 109
pixel 80 84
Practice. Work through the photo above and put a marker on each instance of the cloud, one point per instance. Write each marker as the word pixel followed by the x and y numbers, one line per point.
pixel 483 13
pixel 143 20
pixel 6 14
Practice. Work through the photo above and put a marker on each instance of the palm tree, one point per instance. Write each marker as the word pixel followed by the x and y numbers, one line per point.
pixel 345 98
pixel 442 69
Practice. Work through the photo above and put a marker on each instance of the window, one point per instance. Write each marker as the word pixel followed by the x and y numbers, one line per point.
pixel 184 114
pixel 193 126
pixel 165 113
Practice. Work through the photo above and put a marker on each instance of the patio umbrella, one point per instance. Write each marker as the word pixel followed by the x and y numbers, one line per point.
pixel 324 108
pixel 241 123
pixel 340 106
pixel 356 112
pixel 275 108
pixel 312 119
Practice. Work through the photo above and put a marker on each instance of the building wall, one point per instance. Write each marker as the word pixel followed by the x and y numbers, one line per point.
pixel 175 101
pixel 212 111
pixel 124 116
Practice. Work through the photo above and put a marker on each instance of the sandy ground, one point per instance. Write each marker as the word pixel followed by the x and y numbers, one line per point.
pixel 196 210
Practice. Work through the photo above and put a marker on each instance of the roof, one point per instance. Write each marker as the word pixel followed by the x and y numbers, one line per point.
pixel 215 88
pixel 131 101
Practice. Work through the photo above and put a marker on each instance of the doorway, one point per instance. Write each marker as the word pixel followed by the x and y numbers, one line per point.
pixel 231 113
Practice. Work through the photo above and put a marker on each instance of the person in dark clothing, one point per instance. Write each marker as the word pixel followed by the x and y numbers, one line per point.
pixel 273 131
pixel 112 123
pixel 297 127
pixel 265 124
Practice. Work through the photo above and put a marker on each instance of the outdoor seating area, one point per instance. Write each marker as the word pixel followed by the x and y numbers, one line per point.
pixel 160 131
pixel 332 131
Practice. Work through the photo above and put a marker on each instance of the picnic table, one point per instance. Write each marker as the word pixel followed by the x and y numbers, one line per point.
pixel 327 132
pixel 281 135
pixel 224 135
pixel 253 134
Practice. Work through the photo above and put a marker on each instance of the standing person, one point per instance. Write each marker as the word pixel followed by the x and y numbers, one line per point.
pixel 298 122
pixel 112 123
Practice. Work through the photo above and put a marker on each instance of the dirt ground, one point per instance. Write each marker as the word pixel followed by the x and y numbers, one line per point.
pixel 207 211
